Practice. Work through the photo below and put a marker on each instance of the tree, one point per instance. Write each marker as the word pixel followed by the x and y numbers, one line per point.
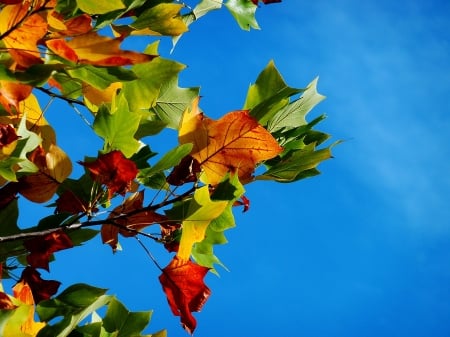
pixel 70 51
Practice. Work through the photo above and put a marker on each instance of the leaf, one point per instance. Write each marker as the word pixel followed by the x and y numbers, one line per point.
pixel 128 226
pixel 268 95
pixel 187 171
pixel 25 32
pixel 54 167
pixel 173 101
pixel 99 6
pixel 144 92
pixel 202 210
pixel 22 323
pixel 14 92
pixel 120 322
pixel 298 165
pixel 161 19
pixel 185 289
pixel 101 78
pixel 244 13
pixel 7 135
pixel 41 289
pixel 91 48
pixel 293 115
pixel 113 170
pixel 41 248
pixel 118 127
pixel 74 304
pixel 235 143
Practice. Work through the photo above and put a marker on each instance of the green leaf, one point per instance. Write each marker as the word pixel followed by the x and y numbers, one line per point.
pixel 9 216
pixel 74 304
pixel 101 77
pixel 123 323
pixel 154 176
pixel 173 101
pixel 7 168
pixel 163 19
pixel 70 88
pixel 293 115
pixel 149 125
pixel 230 189
pixel 244 13
pixel 99 6
pixel 268 95
pixel 143 92
pixel 118 128
pixel 298 165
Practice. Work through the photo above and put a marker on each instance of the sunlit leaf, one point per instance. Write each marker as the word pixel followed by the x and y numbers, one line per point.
pixel 24 33
pixel 185 289
pixel 91 48
pixel 202 210
pixel 99 6
pixel 113 170
pixel 244 13
pixel 235 143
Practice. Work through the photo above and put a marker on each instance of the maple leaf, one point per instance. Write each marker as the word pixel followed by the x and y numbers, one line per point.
pixel 185 290
pixel 113 170
pixel 235 143
pixel 13 93
pixel 23 323
pixel 7 135
pixel 41 289
pixel 134 222
pixel 202 210
pixel 41 248
pixel 60 27
pixel 23 32
pixel 54 167
pixel 91 48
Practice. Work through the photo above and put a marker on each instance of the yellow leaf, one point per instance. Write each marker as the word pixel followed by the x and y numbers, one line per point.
pixel 22 323
pixel 202 210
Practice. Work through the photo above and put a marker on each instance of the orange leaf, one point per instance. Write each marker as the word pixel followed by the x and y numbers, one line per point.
pixel 41 289
pixel 185 290
pixel 91 48
pixel 41 248
pixel 134 222
pixel 113 170
pixel 25 33
pixel 75 26
pixel 234 143
pixel 14 93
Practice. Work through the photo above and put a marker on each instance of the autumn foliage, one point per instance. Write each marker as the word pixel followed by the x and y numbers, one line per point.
pixel 71 51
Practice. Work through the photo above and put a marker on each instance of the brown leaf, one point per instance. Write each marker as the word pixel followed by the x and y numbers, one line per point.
pixel 113 170
pixel 127 226
pixel 68 202
pixel 7 135
pixel 5 302
pixel 41 289
pixel 186 171
pixel 41 248
pixel 185 290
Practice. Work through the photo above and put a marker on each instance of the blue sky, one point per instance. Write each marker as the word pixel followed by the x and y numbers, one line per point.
pixel 364 248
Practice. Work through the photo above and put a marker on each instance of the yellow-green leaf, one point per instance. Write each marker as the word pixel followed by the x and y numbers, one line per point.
pixel 100 6
pixel 202 210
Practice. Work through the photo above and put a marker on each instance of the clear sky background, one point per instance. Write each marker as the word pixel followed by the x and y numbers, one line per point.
pixel 362 249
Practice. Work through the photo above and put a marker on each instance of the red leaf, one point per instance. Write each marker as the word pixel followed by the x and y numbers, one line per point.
pixel 8 193
pixel 5 302
pixel 186 171
pixel 41 289
pixel 7 135
pixel 185 290
pixel 68 202
pixel 128 225
pixel 41 248
pixel 243 202
pixel 113 170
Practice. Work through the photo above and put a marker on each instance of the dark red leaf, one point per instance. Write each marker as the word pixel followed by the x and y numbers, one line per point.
pixel 113 170
pixel 41 248
pixel 186 171
pixel 185 290
pixel 5 302
pixel 41 289
pixel 170 235
pixel 68 202
pixel 8 193
pixel 266 2
pixel 244 201
pixel 7 135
